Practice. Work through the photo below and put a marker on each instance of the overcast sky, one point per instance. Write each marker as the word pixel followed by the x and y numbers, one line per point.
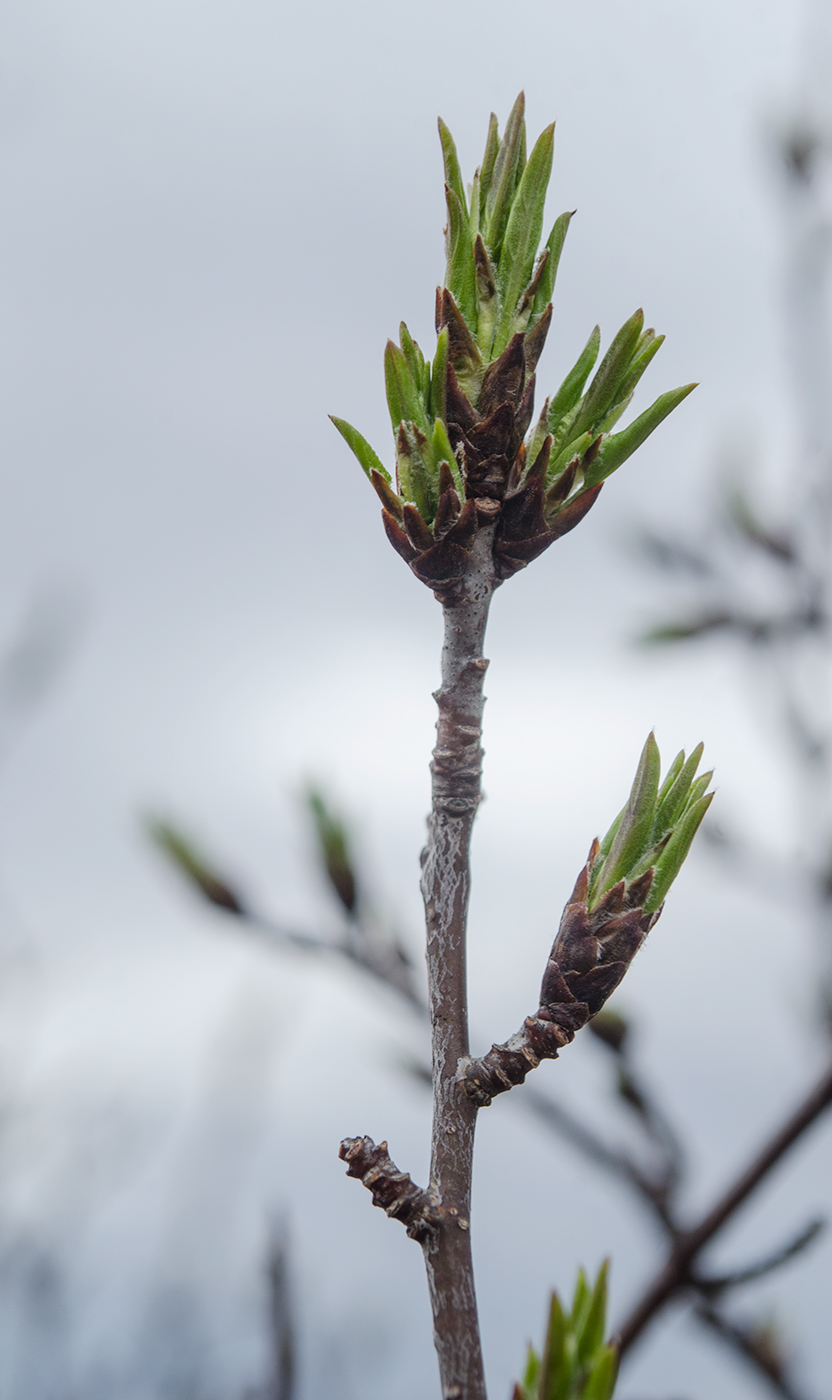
pixel 216 213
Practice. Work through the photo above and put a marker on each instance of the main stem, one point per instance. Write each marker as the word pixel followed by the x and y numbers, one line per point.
pixel 446 882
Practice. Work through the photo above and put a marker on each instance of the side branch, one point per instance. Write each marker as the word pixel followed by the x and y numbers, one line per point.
pixel 391 1190
pixel 590 955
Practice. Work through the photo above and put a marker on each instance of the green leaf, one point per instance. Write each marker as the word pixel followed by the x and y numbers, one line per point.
pixel 522 235
pixel 572 387
pixel 604 846
pixel 360 447
pixel 649 345
pixel 670 807
pixel 443 452
pixel 504 179
pixel 576 447
pixel 474 206
pixel 580 1300
pixel 699 788
pixel 547 282
pixel 492 146
pixel 670 777
pixel 553 1366
pixel 438 375
pixel 591 1335
pixel 612 416
pixel 673 856
pixel 453 173
pixel 633 836
pixel 488 301
pixel 460 275
pixel 616 449
pixel 414 464
pixel 603 390
pixel 600 1383
pixel 415 358
pixel 403 398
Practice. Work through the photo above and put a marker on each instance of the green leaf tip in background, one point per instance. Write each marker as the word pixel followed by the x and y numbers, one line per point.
pixel 475 403
pixel 576 1363
pixel 333 848
pixel 190 862
pixel 655 829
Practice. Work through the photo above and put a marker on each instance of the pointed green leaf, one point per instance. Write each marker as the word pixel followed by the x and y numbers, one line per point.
pixel 531 1375
pixel 575 447
pixel 605 845
pixel 415 474
pixel 670 777
pixel 672 858
pixel 612 416
pixel 453 174
pixel 403 398
pixel 443 452
pixel 438 375
pixel 591 1336
pixel 504 179
pixel 474 206
pixel 460 275
pixel 360 447
pixel 553 1364
pixel 699 788
pixel 580 1300
pixel 572 387
pixel 617 448
pixel 539 433
pixel 600 1383
pixel 633 836
pixel 488 301
pixel 603 390
pixel 671 805
pixel 492 146
pixel 649 346
pixel 522 235
pixel 415 358
pixel 547 282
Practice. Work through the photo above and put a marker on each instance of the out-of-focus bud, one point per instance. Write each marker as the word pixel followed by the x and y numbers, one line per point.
pixel 576 1362
pixel 194 865
pixel 333 849
pixel 611 1028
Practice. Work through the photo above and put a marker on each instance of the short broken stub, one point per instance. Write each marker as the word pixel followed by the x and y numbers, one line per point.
pixel 392 1191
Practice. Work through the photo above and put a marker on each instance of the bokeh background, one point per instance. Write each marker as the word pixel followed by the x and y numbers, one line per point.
pixel 215 214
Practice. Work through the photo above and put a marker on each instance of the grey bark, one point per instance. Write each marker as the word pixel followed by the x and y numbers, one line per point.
pixel 446 881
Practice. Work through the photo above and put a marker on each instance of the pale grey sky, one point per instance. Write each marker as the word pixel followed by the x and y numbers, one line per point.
pixel 216 213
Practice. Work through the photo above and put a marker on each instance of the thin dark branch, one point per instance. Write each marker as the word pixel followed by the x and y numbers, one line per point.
pixel 676 1274
pixel 756 1347
pixel 611 1159
pixel 713 1285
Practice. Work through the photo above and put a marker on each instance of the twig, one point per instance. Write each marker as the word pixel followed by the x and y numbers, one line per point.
pixel 676 1275
pixel 711 1286
pixel 754 1348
